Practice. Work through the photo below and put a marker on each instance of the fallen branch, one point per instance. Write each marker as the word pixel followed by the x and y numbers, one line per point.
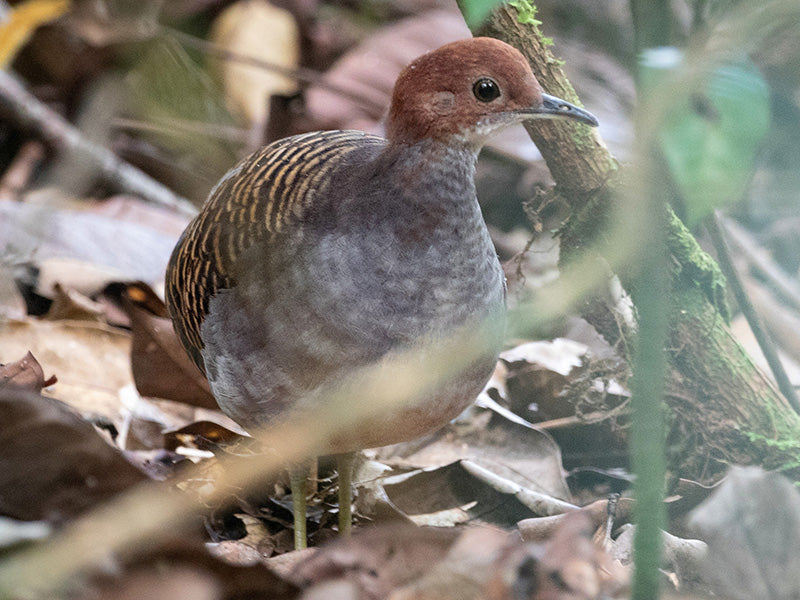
pixel 25 110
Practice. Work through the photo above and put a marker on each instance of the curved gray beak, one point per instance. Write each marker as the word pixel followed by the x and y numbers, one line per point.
pixel 556 108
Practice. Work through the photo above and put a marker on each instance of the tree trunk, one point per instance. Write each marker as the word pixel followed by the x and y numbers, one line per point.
pixel 722 409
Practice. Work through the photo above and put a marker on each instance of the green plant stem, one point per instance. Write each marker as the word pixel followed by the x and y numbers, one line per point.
pixel 651 20
pixel 298 478
pixel 344 467
pixel 649 373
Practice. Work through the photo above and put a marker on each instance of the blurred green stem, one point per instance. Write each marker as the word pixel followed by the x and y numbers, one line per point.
pixel 651 21
pixel 652 285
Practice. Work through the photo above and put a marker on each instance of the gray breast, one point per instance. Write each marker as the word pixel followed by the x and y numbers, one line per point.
pixel 346 291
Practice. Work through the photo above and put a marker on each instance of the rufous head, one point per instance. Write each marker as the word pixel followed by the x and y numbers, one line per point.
pixel 468 89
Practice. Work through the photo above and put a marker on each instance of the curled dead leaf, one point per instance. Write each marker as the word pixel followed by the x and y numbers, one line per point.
pixel 71 305
pixel 54 465
pixel 375 561
pixel 161 367
pixel 25 373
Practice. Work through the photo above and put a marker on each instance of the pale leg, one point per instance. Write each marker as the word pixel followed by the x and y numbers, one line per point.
pixel 298 479
pixel 344 465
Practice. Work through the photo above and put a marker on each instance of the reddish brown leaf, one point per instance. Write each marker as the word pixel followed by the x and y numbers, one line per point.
pixel 26 373
pixel 376 560
pixel 184 569
pixel 369 70
pixel 54 465
pixel 161 367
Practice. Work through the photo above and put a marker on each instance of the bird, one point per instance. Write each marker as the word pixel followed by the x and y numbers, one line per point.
pixel 328 251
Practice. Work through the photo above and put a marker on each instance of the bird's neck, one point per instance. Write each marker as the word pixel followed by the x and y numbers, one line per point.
pixel 415 195
pixel 431 205
pixel 432 176
pixel 432 154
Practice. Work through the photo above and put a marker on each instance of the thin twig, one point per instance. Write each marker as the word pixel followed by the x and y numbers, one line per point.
pixel 19 172
pixel 760 333
pixel 181 127
pixel 743 242
pixel 27 111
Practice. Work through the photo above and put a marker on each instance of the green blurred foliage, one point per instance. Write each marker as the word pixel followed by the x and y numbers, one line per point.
pixel 712 134
pixel 186 108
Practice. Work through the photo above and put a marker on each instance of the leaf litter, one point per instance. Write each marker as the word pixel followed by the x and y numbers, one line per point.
pixel 492 471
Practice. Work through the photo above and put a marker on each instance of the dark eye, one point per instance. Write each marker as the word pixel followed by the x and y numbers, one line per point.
pixel 486 89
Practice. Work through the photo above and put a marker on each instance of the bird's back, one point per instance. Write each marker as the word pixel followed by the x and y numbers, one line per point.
pixel 259 199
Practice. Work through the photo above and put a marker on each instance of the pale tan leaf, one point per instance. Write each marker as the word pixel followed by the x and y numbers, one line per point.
pixel 265 32
pixel 91 361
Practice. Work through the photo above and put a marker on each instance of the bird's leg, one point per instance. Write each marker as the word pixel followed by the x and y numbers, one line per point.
pixel 313 475
pixel 344 465
pixel 298 480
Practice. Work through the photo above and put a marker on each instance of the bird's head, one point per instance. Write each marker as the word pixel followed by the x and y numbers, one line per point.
pixel 467 90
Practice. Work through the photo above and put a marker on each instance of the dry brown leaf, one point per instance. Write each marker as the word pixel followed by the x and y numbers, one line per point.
pixel 558 386
pixel 54 465
pixel 527 457
pixel 466 571
pixel 92 360
pixel 161 368
pixel 488 564
pixel 683 560
pixel 463 491
pixel 285 564
pixel 245 539
pixel 375 560
pixel 25 373
pixel 573 567
pixel 71 305
pixel 184 569
pixel 134 210
pixel 369 70
pixel 72 242
pixel 537 373
pixel 77 275
pixel 540 529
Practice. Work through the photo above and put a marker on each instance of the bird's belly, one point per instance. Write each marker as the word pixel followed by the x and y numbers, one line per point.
pixel 337 317
pixel 411 418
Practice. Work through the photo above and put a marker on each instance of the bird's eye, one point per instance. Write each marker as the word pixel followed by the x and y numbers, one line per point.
pixel 486 89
